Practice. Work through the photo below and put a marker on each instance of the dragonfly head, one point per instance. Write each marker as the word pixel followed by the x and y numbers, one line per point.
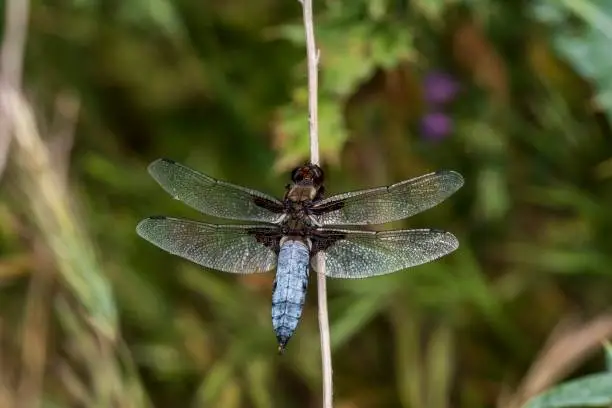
pixel 308 177
pixel 308 174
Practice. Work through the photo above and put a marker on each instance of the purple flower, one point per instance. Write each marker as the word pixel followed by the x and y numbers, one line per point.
pixel 436 126
pixel 439 88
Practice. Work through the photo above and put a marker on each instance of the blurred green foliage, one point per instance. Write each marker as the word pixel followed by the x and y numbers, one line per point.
pixel 221 87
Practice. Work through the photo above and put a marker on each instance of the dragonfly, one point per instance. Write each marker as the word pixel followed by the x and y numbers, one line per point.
pixel 289 234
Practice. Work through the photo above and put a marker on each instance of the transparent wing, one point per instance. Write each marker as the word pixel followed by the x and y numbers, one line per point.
pixel 360 254
pixel 215 197
pixel 386 204
pixel 228 248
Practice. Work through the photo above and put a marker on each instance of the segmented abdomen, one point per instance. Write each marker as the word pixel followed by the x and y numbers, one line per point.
pixel 289 293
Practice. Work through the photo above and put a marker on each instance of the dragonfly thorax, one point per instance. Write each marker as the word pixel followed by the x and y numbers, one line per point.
pixel 301 193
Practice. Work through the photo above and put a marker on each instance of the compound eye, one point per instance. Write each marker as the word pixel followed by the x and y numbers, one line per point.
pixel 316 174
pixel 296 175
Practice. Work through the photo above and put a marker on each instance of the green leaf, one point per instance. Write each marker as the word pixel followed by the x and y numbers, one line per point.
pixel 588 50
pixel 439 366
pixel 159 13
pixel 608 352
pixel 432 9
pixel 590 391
pixel 598 13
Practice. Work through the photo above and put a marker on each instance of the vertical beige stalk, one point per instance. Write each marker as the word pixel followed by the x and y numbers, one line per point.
pixel 312 54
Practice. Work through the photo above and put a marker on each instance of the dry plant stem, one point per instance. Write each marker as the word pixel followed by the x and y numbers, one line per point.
pixel 313 81
pixel 35 332
pixel 40 292
pixel 313 62
pixel 11 63
pixel 67 109
pixel 11 66
pixel 569 345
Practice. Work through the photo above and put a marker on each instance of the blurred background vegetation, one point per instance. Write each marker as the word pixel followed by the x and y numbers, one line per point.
pixel 515 95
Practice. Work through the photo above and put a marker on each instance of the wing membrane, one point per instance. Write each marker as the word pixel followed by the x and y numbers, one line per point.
pixel 391 203
pixel 228 248
pixel 362 254
pixel 215 197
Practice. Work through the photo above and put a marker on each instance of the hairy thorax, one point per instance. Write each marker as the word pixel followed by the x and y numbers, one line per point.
pixel 298 204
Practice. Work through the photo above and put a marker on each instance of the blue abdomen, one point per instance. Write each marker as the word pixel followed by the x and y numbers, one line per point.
pixel 289 291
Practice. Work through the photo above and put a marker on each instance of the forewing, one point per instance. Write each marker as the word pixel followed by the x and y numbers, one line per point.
pixel 361 254
pixel 215 197
pixel 386 204
pixel 228 248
